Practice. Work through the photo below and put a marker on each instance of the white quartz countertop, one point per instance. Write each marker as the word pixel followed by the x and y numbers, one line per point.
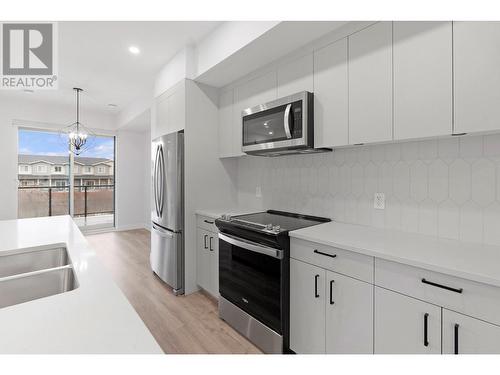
pixel 94 318
pixel 471 261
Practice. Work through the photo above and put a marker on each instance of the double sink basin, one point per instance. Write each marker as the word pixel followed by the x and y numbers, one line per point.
pixel 30 274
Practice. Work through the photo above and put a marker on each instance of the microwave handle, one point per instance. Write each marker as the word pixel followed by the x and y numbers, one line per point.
pixel 286 121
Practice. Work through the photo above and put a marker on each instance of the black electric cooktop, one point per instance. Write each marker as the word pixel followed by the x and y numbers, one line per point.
pixel 273 221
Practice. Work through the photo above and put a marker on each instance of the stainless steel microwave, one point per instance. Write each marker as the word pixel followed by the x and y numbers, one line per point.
pixel 283 126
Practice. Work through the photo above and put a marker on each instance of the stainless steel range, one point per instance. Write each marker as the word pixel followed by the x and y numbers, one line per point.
pixel 254 275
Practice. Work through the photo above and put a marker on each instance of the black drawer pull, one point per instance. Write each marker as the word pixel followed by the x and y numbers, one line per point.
pixel 426 323
pixel 331 292
pixel 456 338
pixel 205 242
pixel 443 286
pixel 325 254
pixel 316 294
pixel 208 222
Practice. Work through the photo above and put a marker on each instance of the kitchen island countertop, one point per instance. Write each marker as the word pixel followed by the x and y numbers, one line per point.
pixel 95 318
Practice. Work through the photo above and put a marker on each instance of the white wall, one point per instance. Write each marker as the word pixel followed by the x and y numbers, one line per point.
pixel 448 188
pixel 181 66
pixel 132 180
pixel 226 39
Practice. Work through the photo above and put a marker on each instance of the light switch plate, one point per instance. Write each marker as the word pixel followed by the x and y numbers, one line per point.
pixel 258 192
pixel 379 201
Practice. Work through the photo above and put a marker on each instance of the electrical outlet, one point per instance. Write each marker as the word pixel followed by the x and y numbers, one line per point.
pixel 258 192
pixel 379 201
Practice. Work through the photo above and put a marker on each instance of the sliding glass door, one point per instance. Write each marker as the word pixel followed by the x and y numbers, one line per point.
pixel 52 181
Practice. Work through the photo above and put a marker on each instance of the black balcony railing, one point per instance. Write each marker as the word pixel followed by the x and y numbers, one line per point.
pixel 89 200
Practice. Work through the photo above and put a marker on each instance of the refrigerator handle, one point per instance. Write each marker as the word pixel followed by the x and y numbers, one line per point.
pixel 163 232
pixel 162 179
pixel 155 182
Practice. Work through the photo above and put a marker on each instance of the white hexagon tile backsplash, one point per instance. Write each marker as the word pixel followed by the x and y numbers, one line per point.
pixel 448 188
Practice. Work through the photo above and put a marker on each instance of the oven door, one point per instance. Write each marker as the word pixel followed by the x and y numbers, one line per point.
pixel 281 124
pixel 250 278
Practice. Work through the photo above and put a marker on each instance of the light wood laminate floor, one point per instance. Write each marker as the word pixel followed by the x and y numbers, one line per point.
pixel 185 324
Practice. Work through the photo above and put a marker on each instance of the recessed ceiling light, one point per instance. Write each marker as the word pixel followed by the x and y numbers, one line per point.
pixel 134 50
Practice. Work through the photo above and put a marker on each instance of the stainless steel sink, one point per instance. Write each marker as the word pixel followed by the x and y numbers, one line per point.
pixel 31 274
pixel 27 287
pixel 33 260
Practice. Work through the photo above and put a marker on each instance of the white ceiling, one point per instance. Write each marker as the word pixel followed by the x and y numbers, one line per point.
pixel 95 57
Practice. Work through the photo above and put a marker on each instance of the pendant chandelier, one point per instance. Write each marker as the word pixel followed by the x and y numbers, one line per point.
pixel 79 137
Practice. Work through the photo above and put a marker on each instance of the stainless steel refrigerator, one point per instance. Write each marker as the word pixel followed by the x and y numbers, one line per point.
pixel 167 212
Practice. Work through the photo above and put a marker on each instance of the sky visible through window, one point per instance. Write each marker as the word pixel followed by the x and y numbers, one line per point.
pixel 49 143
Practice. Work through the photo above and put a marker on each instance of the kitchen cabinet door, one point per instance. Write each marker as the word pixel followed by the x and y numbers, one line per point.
pixel 213 246
pixel 349 315
pixel 476 59
pixel 370 84
pixel 422 79
pixel 307 308
pixel 404 325
pixel 249 94
pixel 331 126
pixel 176 110
pixel 296 76
pixel 162 117
pixel 227 147
pixel 203 259
pixel 465 335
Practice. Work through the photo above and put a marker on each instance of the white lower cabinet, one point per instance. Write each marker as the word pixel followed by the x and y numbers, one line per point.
pixel 307 308
pixel 405 325
pixel 207 261
pixel 329 312
pixel 465 335
pixel 349 315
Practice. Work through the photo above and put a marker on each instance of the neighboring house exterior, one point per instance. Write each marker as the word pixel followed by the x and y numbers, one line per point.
pixel 41 170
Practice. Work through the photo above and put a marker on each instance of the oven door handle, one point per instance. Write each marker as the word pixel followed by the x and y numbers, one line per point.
pixel 252 246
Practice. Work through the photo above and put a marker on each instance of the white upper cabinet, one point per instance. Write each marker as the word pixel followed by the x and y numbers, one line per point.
pixel 296 76
pixel 331 126
pixel 176 111
pixel 227 146
pixel 476 76
pixel 370 84
pixel 170 111
pixel 422 79
pixel 162 117
pixel 249 94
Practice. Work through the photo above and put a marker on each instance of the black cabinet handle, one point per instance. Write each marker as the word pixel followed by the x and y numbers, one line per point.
pixel 205 242
pixel 208 222
pixel 210 241
pixel 456 338
pixel 426 323
pixel 460 290
pixel 331 292
pixel 316 294
pixel 325 254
